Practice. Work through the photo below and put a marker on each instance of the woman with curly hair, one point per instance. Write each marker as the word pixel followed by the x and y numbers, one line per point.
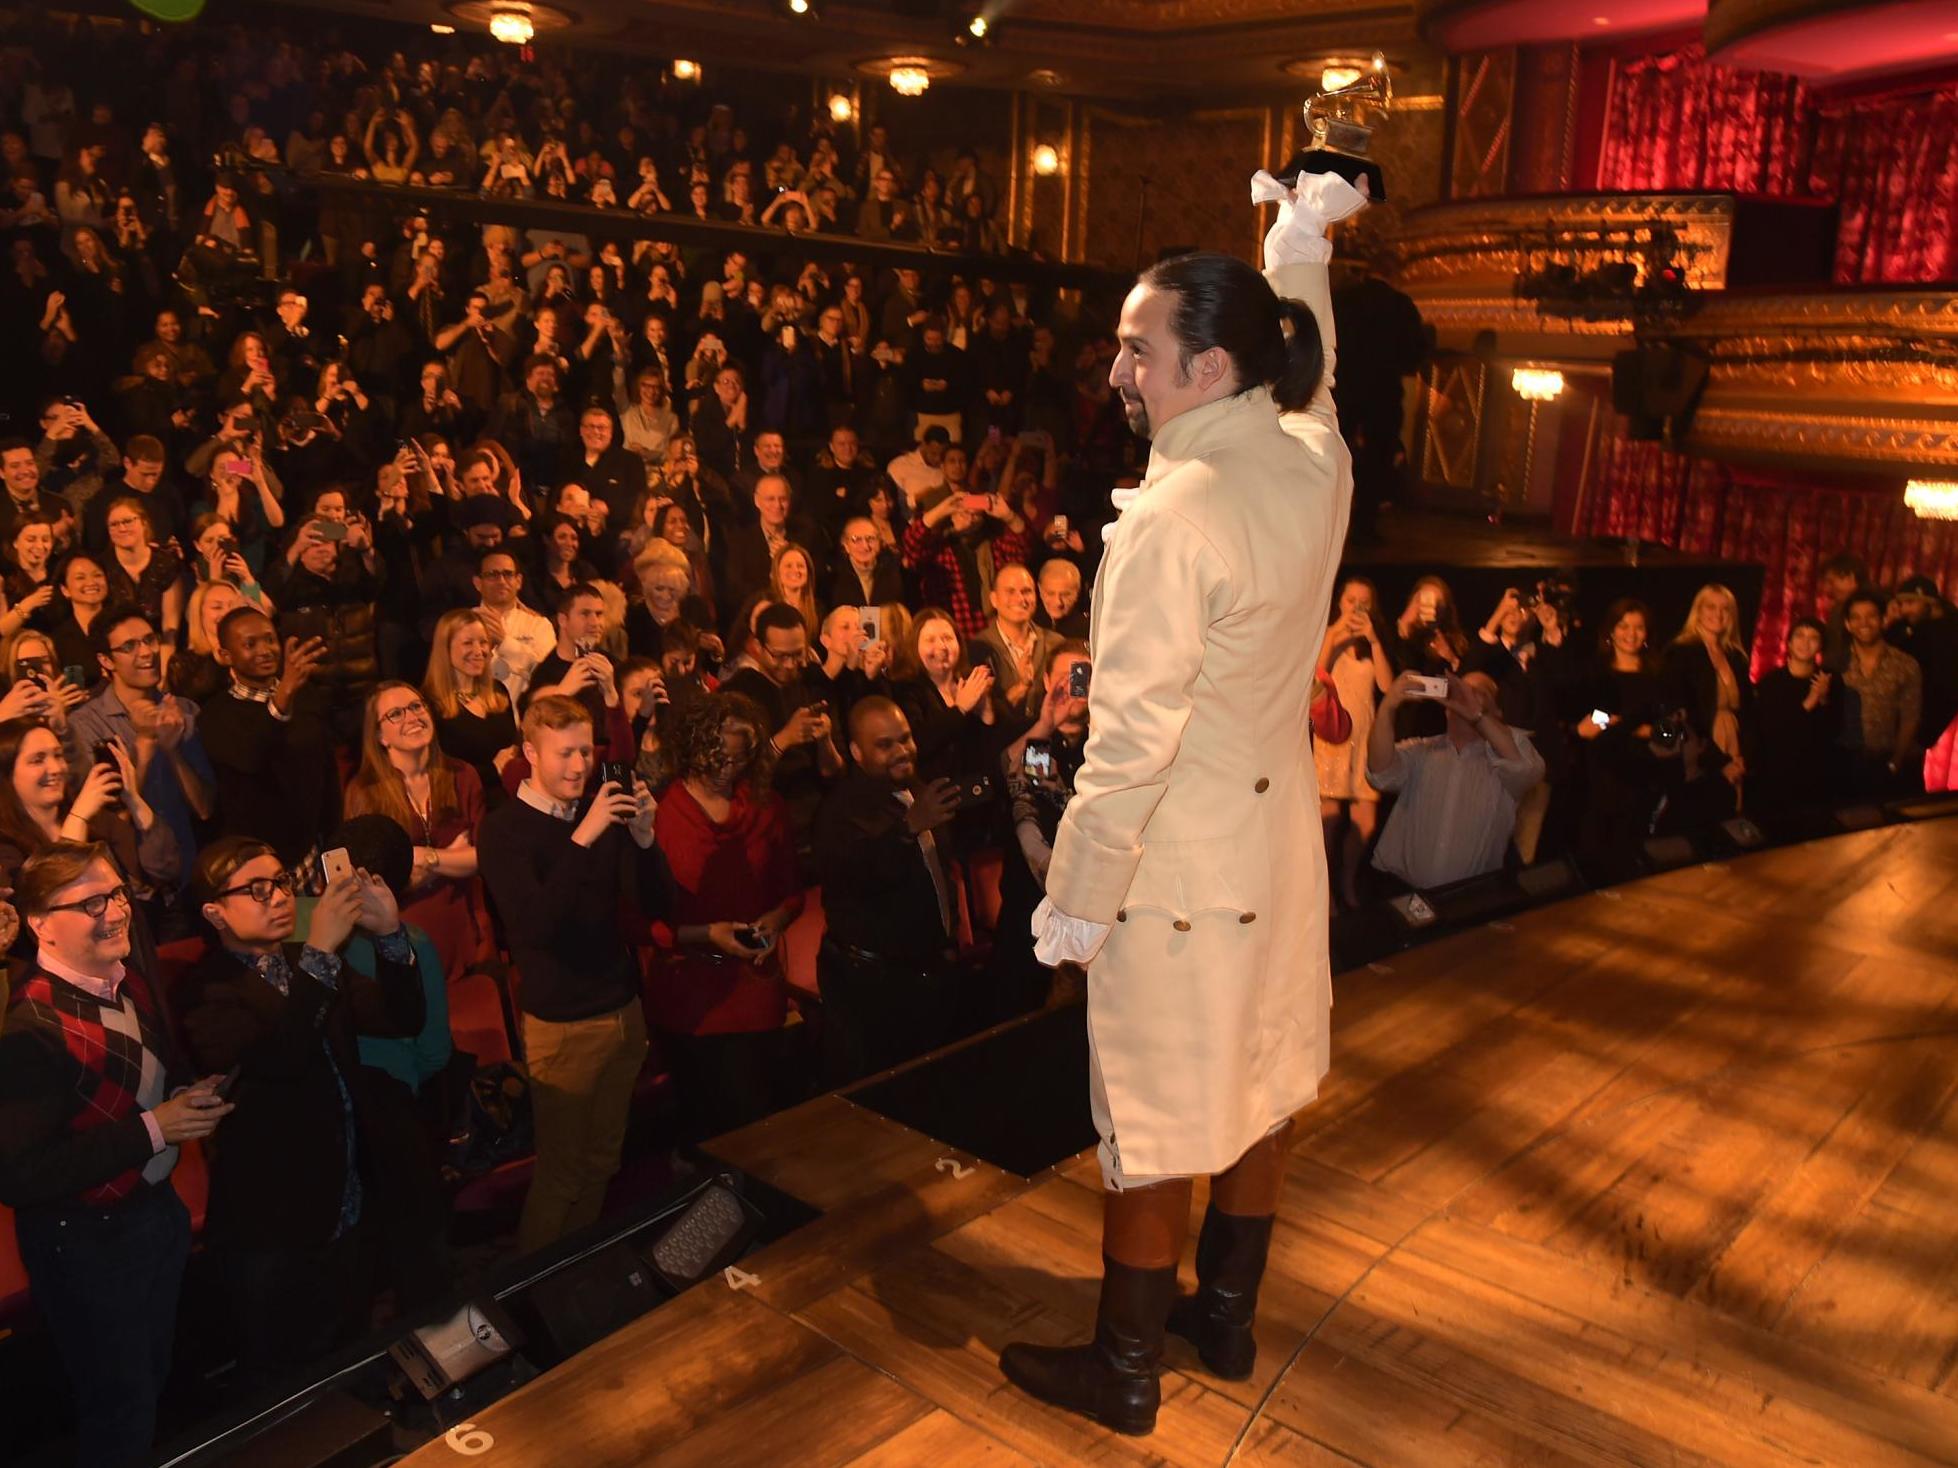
pixel 720 1001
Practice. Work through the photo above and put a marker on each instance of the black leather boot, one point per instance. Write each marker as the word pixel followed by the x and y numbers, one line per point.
pixel 1217 1318
pixel 1114 1378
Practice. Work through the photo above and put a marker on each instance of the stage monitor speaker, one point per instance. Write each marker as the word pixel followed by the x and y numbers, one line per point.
pixel 1550 879
pixel 1474 898
pixel 1413 910
pixel 1663 853
pixel 708 1236
pixel 334 1431
pixel 441 1356
pixel 1860 817
pixel 585 1301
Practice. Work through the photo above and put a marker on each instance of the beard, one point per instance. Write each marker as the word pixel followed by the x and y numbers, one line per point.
pixel 1136 413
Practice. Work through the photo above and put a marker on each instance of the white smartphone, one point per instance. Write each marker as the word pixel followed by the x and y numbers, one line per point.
pixel 872 619
pixel 1059 527
pixel 336 865
pixel 1428 687
pixel 1601 718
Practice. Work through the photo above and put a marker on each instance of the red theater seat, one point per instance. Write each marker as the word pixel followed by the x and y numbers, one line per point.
pixel 476 1022
pixel 13 1274
pixel 800 942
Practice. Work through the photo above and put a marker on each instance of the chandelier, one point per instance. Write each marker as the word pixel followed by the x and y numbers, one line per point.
pixel 1933 499
pixel 511 24
pixel 908 79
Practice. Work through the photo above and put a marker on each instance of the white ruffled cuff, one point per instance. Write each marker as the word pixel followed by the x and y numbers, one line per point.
pixel 1058 938
pixel 1298 236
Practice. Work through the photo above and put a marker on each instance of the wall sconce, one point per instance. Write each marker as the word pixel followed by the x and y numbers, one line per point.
pixel 686 71
pixel 1933 499
pixel 1046 160
pixel 1537 384
pixel 841 108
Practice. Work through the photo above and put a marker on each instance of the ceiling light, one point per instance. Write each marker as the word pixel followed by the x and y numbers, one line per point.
pixel 841 108
pixel 909 79
pixel 686 71
pixel 1536 384
pixel 441 30
pixel 511 25
pixel 799 7
pixel 1933 499
pixel 977 27
pixel 1046 160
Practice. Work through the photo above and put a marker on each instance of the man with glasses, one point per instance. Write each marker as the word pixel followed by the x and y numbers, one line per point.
pixel 158 729
pixel 867 574
pixel 523 637
pixel 95 1100
pixel 294 1194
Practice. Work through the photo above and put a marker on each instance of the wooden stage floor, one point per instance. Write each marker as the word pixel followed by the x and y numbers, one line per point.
pixel 1666 1175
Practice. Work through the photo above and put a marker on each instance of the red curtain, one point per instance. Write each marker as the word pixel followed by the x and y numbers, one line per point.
pixel 1710 509
pixel 1892 162
pixel 1675 122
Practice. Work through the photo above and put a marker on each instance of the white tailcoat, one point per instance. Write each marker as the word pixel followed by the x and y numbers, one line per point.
pixel 1194 828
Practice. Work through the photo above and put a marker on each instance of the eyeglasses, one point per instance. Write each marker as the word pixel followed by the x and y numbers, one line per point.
pixel 127 522
pixel 396 715
pixel 148 642
pixel 500 575
pixel 260 889
pixel 94 906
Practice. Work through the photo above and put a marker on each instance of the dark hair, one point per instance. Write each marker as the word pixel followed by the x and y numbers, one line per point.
pixel 693 746
pixel 10 445
pixel 17 829
pixel 575 590
pixel 1813 624
pixel 1222 302
pixel 1842 563
pixel 1862 594
pixel 235 615
pixel 144 449
pixel 112 617
pixel 221 860
pixel 1617 612
pixel 778 616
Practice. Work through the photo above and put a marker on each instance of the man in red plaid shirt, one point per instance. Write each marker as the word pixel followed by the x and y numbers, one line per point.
pixel 957 546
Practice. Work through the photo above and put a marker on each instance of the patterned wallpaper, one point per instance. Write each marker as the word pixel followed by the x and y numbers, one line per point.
pixel 1199 169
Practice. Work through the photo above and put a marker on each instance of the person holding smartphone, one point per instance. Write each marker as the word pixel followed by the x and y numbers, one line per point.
pixel 567 864
pixel 721 1001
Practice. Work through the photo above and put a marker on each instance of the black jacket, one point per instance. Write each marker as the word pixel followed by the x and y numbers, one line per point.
pixel 277 780
pixel 843 589
pixel 278 1164
pixel 878 893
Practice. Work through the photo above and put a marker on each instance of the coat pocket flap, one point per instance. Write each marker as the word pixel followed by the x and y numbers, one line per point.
pixel 1184 878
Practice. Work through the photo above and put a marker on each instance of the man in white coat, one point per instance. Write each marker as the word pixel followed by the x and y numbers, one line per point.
pixel 1189 873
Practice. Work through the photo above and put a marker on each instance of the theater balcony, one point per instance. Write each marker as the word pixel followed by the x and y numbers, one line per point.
pixel 1692 272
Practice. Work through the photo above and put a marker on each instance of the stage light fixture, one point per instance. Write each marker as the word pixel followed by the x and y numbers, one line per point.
pixel 441 30
pixel 685 71
pixel 802 9
pixel 909 79
pixel 1046 160
pixel 1537 384
pixel 974 30
pixel 1932 499
pixel 841 108
pixel 511 24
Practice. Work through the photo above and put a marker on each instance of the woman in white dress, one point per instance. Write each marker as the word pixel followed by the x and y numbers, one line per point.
pixel 1353 661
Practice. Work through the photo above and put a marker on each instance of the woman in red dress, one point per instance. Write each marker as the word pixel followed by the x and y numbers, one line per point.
pixel 720 1001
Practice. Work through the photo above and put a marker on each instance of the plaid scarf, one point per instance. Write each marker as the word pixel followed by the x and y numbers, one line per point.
pixel 119 1055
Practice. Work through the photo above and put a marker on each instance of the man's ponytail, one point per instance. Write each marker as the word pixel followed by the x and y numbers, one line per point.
pixel 1223 302
pixel 1304 357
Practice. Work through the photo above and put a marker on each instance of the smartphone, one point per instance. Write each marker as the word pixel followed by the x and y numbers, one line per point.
pixel 336 865
pixel 1059 526
pixel 1078 678
pixel 1038 761
pixel 978 504
pixel 618 771
pixel 973 790
pixel 330 529
pixel 223 1087
pixel 747 937
pixel 820 708
pixel 236 467
pixel 872 619
pixel 1601 718
pixel 1429 687
pixel 75 674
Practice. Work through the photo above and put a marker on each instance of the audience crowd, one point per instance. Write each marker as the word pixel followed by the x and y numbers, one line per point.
pixel 388 602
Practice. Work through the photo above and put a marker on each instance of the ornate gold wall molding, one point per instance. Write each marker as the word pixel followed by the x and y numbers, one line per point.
pixel 1902 443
